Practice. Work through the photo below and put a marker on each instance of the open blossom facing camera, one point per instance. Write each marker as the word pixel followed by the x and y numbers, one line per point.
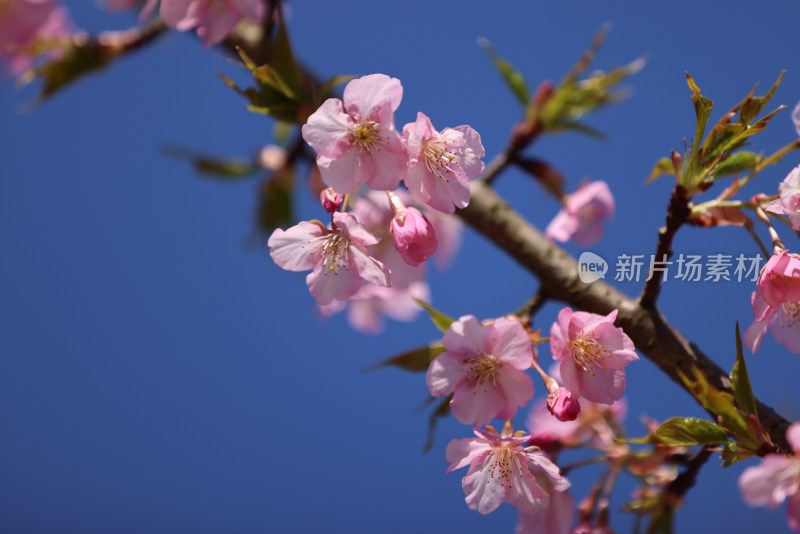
pixel 23 23
pixel 581 218
pixel 776 303
pixel 501 469
pixel 484 367
pixel 593 353
pixel 214 19
pixel 355 139
pixel 776 479
pixel 338 256
pixel 441 164
pixel 789 201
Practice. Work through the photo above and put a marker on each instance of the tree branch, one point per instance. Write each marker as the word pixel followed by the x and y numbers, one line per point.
pixel 658 340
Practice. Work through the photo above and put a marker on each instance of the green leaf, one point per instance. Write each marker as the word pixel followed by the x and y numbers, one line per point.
pixel 662 166
pixel 224 167
pixel 586 130
pixel 272 78
pixel 687 432
pixel 282 58
pixel 440 320
pixel 740 380
pixel 752 105
pixel 442 410
pixel 718 402
pixel 275 202
pixel 736 163
pixel 515 81
pixel 733 452
pixel 702 109
pixel 416 361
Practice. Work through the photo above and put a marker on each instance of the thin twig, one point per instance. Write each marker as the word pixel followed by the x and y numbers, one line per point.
pixel 677 212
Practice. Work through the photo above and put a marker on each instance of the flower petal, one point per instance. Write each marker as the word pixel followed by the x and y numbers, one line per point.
pixel 295 249
pixel 484 492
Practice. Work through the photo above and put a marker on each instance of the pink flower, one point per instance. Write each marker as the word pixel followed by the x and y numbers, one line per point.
pixel 484 367
pixel 330 200
pixel 355 140
pixel 789 201
pixel 214 19
pixel 776 478
pixel 367 307
pixel 593 353
pixel 414 236
pixel 581 218
pixel 775 303
pixel 338 256
pixel 441 164
pixel 23 24
pixel 563 405
pixel 587 528
pixel 371 303
pixel 597 425
pixel 796 117
pixel 556 517
pixel 500 470
pixel 121 5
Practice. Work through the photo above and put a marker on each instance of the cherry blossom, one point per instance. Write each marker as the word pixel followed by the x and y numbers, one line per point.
pixel 330 200
pixel 581 217
pixel 789 201
pixel 441 164
pixel 597 424
pixel 796 118
pixel 484 367
pixel 414 236
pixel 338 256
pixel 214 19
pixel 556 517
pixel 593 353
pixel 371 303
pixel 23 24
pixel 355 139
pixel 775 479
pixel 776 303
pixel 501 469
pixel 563 405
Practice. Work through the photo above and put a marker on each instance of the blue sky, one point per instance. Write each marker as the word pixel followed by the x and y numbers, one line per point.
pixel 161 374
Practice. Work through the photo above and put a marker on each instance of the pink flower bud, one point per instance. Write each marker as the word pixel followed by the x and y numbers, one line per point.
pixel 414 236
pixel 563 405
pixel 331 200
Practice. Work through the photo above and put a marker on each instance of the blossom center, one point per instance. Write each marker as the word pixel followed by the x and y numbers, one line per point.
pixel 439 160
pixel 588 352
pixel 364 134
pixel 502 463
pixel 335 253
pixel 484 368
pixel 789 313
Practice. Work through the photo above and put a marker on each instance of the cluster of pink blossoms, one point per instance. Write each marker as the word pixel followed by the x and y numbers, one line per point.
pixel 24 24
pixel 484 368
pixel 213 19
pixel 357 144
